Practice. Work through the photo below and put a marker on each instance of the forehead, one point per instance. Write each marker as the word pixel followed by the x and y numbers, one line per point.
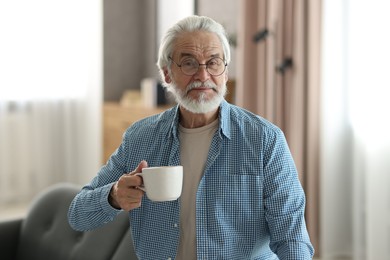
pixel 199 44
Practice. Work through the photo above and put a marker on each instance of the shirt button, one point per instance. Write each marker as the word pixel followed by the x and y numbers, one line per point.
pixel 175 225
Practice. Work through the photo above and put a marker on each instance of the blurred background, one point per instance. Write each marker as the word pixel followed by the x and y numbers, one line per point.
pixel 75 74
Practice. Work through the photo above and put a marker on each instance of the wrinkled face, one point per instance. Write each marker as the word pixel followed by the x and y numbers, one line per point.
pixel 201 92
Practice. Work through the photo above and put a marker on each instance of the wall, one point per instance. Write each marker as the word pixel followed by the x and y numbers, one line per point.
pixel 226 13
pixel 129 45
pixel 132 32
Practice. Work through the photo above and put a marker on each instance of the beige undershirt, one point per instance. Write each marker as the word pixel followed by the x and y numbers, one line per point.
pixel 194 148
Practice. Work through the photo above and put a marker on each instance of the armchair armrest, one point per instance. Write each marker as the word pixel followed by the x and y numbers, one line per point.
pixel 9 237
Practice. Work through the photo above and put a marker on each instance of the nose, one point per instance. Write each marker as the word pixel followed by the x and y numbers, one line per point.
pixel 202 74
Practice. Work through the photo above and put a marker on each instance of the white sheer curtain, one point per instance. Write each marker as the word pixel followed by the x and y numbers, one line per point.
pixel 355 174
pixel 50 95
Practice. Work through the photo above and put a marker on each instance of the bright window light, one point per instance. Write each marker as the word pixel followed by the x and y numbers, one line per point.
pixel 46 49
pixel 369 71
pixel 170 11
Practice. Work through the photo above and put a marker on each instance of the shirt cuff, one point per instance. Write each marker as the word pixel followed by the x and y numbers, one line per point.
pixel 105 205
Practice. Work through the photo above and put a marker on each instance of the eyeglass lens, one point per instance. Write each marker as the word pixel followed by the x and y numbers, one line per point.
pixel 215 66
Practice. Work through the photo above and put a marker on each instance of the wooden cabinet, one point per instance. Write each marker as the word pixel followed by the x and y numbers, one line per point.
pixel 116 119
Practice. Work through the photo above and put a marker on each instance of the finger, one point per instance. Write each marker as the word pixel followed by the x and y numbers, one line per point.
pixel 141 165
pixel 130 206
pixel 135 194
pixel 129 196
pixel 128 181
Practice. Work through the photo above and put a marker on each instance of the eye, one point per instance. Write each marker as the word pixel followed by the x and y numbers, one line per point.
pixel 189 63
pixel 215 63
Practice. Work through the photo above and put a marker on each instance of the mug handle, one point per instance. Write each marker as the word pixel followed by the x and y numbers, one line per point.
pixel 142 187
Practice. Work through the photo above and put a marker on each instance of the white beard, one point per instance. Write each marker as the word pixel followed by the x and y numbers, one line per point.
pixel 201 105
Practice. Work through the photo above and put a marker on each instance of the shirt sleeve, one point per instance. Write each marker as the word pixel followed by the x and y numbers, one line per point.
pixel 90 208
pixel 284 201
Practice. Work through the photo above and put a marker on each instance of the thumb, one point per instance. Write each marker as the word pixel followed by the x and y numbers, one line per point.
pixel 141 165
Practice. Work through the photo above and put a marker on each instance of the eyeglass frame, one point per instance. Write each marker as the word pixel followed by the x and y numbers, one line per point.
pixel 199 64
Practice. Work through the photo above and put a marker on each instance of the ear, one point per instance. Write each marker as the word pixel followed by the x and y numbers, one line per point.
pixel 226 76
pixel 167 77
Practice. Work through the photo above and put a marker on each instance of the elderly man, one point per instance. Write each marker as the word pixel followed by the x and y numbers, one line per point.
pixel 241 196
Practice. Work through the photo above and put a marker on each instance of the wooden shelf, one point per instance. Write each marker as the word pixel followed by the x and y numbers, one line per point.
pixel 116 119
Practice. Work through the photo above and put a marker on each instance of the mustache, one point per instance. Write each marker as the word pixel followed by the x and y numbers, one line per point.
pixel 199 84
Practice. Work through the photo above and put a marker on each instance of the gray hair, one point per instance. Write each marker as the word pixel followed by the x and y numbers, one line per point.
pixel 190 24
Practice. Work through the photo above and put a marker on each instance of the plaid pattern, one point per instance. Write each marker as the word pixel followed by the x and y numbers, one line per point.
pixel 250 203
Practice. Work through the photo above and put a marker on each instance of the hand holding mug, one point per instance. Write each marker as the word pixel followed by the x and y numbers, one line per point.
pixel 125 193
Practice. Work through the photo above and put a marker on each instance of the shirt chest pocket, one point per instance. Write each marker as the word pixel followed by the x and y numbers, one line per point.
pixel 235 199
pixel 239 190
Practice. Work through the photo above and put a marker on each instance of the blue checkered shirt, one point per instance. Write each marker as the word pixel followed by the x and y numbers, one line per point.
pixel 249 205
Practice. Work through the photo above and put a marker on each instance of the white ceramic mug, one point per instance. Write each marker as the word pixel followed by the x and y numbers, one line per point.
pixel 162 183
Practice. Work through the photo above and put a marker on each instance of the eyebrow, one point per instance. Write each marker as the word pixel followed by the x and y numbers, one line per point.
pixel 184 54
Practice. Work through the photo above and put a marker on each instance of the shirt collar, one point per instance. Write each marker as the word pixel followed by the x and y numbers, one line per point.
pixel 224 120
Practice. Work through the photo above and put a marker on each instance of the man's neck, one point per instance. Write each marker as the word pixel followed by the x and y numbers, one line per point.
pixel 193 120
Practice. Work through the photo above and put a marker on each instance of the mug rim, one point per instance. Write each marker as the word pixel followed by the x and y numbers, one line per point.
pixel 162 167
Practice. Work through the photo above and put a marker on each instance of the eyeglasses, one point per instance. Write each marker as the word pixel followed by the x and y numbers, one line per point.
pixel 190 66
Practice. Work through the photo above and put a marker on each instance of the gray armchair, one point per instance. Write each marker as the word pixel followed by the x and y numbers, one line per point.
pixel 46 234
